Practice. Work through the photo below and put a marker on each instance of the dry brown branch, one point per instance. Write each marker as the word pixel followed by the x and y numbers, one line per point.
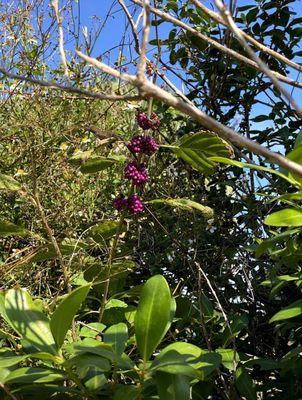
pixel 55 5
pixel 148 89
pixel 262 66
pixel 217 45
pixel 70 89
pixel 260 46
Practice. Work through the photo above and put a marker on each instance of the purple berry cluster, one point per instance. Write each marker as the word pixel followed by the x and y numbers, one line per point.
pixel 145 123
pixel 133 204
pixel 136 172
pixel 143 145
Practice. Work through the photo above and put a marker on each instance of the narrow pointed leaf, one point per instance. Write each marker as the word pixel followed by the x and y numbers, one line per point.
pixel 62 317
pixel 291 311
pixel 187 205
pixel 286 217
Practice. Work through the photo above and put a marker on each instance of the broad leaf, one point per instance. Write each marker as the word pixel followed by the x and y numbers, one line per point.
pixel 8 358
pixel 291 311
pixel 187 205
pixel 153 316
pixel 286 217
pixel 62 317
pixel 117 336
pixel 197 148
pixel 26 318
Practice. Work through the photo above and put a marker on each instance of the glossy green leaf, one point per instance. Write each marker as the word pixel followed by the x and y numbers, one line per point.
pixel 95 379
pixel 9 183
pixel 96 164
pixel 197 149
pixel 286 217
pixel 34 375
pixel 27 319
pixel 187 205
pixel 245 384
pixel 61 319
pixel 153 316
pixel 291 311
pixel 117 336
pixel 82 361
pixel 172 387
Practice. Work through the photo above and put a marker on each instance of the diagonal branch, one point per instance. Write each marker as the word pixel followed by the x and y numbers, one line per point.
pixel 148 89
pixel 217 45
pixel 55 5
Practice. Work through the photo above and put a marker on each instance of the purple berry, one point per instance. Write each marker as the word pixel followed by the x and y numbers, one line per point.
pixel 136 172
pixel 119 202
pixel 145 123
pixel 143 144
pixel 134 204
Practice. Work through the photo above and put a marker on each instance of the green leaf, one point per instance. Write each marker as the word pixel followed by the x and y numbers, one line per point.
pixel 230 358
pixel 187 205
pixel 82 361
pixel 10 229
pixel 62 317
pixel 27 319
pixel 34 375
pixel 291 311
pixel 286 217
pixel 172 387
pixel 296 156
pixel 245 384
pixel 198 148
pixel 95 379
pixel 9 359
pixel 97 164
pixel 117 336
pixel 9 183
pixel 153 316
pixel 106 230
pixel 240 164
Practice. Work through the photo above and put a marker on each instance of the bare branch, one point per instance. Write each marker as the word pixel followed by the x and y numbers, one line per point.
pixel 150 90
pixel 145 37
pixel 70 89
pixel 216 17
pixel 55 5
pixel 217 45
pixel 262 66
pixel 133 27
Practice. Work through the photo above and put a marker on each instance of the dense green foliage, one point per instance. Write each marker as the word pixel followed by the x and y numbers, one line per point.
pixel 198 296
